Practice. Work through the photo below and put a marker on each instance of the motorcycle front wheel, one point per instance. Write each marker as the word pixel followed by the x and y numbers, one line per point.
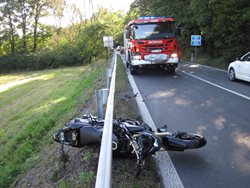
pixel 192 140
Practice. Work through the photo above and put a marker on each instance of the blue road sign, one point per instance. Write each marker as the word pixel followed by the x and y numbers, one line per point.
pixel 195 40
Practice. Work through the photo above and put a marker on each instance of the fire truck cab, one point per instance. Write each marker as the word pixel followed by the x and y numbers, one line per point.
pixel 151 41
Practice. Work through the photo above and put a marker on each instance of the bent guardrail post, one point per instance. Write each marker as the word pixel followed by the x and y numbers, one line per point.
pixel 103 179
pixel 101 96
pixel 109 72
pixel 108 76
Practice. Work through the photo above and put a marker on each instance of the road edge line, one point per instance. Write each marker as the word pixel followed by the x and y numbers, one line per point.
pixel 169 175
pixel 218 69
pixel 216 85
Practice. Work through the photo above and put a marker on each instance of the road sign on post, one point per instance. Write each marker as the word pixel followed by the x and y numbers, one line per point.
pixel 108 41
pixel 195 41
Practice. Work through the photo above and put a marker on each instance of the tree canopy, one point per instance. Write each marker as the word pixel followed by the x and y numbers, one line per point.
pixel 27 43
pixel 223 24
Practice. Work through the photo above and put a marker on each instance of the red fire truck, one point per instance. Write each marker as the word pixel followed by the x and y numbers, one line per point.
pixel 151 41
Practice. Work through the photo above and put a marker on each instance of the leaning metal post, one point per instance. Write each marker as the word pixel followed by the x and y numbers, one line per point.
pixel 101 99
pixel 108 77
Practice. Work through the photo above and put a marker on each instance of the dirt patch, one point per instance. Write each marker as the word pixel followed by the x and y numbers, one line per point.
pixel 51 169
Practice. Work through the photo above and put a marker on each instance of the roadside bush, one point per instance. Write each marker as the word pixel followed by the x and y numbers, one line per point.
pixel 15 62
pixel 59 57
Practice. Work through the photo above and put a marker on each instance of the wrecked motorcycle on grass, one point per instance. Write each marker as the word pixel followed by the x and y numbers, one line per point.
pixel 130 137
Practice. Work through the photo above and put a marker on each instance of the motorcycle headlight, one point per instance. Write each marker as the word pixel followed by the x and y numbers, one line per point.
pixel 74 136
pixel 61 136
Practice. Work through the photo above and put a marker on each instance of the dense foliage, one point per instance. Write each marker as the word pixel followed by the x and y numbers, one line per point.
pixel 26 43
pixel 223 24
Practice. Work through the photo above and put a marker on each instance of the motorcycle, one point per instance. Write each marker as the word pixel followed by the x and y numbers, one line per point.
pixel 130 137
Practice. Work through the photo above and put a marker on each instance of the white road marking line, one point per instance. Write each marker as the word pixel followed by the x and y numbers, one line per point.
pixel 168 172
pixel 218 69
pixel 211 83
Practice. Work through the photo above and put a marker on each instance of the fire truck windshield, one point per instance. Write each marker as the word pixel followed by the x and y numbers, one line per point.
pixel 149 31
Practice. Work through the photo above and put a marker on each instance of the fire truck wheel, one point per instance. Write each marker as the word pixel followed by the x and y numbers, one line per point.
pixel 133 69
pixel 171 69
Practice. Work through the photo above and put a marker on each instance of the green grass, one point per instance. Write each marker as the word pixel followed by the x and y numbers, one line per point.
pixel 204 59
pixel 122 86
pixel 6 78
pixel 30 112
pixel 212 62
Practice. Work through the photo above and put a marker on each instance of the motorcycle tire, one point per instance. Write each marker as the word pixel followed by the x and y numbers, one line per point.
pixel 192 140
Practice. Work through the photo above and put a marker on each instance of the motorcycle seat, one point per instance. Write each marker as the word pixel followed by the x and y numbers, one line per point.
pixel 133 128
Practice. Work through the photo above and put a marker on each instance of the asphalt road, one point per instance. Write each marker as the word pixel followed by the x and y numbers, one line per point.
pixel 203 100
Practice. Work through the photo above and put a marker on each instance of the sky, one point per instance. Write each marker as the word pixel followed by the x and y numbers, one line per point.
pixel 86 9
pixel 116 4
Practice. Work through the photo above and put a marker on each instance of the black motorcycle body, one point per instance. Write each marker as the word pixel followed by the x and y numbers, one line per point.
pixel 80 132
pixel 129 137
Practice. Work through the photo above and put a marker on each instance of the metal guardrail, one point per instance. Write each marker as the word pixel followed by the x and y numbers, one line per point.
pixel 103 179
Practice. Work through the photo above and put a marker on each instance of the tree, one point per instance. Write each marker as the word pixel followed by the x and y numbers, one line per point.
pixel 223 23
pixel 38 7
pixel 57 7
pixel 8 22
pixel 23 14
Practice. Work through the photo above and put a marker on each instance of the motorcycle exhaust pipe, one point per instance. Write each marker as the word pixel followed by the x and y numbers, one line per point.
pixel 114 145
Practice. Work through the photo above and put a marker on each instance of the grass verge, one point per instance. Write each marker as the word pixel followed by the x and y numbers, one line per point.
pixel 42 106
pixel 204 59
pixel 30 112
pixel 212 62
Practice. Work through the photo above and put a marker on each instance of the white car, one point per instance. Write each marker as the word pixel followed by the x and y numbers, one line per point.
pixel 240 69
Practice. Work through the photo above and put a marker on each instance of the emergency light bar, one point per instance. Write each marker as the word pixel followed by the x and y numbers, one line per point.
pixel 151 17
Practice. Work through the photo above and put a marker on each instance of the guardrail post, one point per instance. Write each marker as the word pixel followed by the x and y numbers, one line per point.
pixel 108 76
pixel 101 99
